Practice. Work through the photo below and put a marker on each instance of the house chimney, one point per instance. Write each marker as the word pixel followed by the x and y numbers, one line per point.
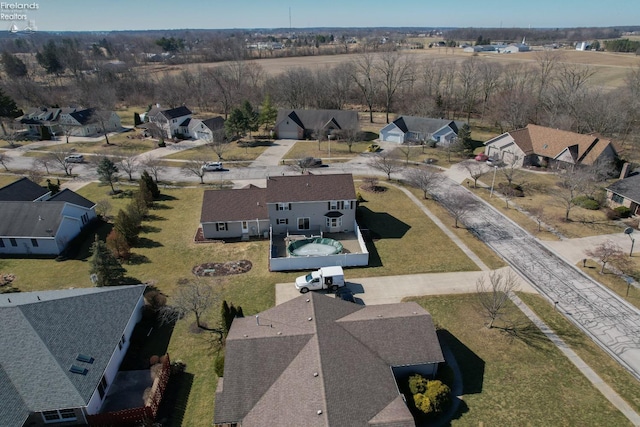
pixel 626 170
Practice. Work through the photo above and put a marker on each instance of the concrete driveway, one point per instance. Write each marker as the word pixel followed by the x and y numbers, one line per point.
pixel 391 289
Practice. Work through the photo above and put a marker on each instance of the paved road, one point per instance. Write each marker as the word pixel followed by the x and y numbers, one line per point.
pixel 610 321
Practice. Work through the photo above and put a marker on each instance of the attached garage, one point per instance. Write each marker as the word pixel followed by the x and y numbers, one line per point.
pixel 288 129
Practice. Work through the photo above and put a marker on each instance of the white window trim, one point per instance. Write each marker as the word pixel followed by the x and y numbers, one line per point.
pixel 59 418
pixel 308 222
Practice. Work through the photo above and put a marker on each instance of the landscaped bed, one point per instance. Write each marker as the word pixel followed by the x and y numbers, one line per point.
pixel 222 268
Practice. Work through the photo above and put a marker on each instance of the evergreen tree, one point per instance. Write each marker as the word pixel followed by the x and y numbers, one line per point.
pixel 54 188
pixel 151 184
pixel 127 226
pixel 118 245
pixel 236 124
pixel 108 172
pixel 268 114
pixel 13 66
pixel 464 135
pixel 104 265
pixel 250 117
pixel 50 58
pixel 145 192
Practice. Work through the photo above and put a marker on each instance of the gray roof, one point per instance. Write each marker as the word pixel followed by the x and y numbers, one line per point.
pixel 214 123
pixel 316 353
pixel 22 190
pixel 72 197
pixel 42 335
pixel 424 125
pixel 171 113
pixel 310 188
pixel 30 219
pixel 318 119
pixel 84 116
pixel 629 188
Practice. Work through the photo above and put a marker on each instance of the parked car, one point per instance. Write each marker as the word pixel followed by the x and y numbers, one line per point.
pixel 345 294
pixel 330 278
pixel 495 162
pixel 481 157
pixel 212 166
pixel 74 158
pixel 373 148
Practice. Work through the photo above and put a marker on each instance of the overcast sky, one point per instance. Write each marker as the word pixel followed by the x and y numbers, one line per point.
pixel 104 15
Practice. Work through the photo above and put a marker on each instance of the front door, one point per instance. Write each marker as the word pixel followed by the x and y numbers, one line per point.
pixel 245 227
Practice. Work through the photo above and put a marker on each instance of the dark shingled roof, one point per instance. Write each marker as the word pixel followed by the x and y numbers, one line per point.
pixel 67 195
pixel 316 353
pixel 214 123
pixel 22 190
pixel 84 116
pixel 318 119
pixel 310 188
pixel 175 112
pixel 629 188
pixel 424 125
pixel 30 219
pixel 42 334
pixel 234 205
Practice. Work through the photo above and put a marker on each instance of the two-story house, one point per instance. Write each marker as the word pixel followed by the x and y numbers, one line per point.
pixel 172 121
pixel 289 207
pixel 299 204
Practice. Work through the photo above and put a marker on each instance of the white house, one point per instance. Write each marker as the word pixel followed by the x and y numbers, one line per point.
pixel 171 121
pixel 61 351
pixel 43 225
pixel 205 129
pixel 89 122
pixel 410 129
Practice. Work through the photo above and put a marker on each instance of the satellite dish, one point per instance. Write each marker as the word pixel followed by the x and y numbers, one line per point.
pixel 628 230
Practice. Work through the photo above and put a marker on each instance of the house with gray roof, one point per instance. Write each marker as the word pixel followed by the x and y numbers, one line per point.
pixel 294 205
pixel 625 192
pixel 170 121
pixel 301 124
pixel 321 361
pixel 61 351
pixel 411 129
pixel 70 121
pixel 34 222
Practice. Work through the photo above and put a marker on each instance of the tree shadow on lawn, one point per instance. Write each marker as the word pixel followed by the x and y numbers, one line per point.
pixel 166 198
pixel 149 338
pixel 381 225
pixel 137 259
pixel 154 217
pixel 150 229
pixel 80 247
pixel 143 242
pixel 161 207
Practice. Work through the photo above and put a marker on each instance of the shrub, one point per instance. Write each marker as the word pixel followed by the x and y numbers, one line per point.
pixel 587 202
pixel 219 366
pixel 429 397
pixel 417 384
pixel 623 211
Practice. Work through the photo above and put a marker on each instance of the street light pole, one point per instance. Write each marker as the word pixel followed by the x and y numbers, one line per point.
pixel 493 181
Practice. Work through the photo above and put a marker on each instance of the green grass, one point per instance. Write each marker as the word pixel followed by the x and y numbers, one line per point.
pixel 514 381
pixel 621 381
pixel 234 152
pixel 613 281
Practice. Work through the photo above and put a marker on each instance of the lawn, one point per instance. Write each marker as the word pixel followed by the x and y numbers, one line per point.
pixel 234 152
pixel 127 143
pixel 539 190
pixel 320 150
pixel 613 281
pixel 618 378
pixel 420 153
pixel 514 379
pixel 404 243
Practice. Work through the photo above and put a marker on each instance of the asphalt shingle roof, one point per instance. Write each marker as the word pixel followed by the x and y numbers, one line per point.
pixel 41 336
pixel 234 205
pixel 30 219
pixel 310 188
pixel 424 125
pixel 317 119
pixel 22 190
pixel 316 353
pixel 629 188
pixel 70 196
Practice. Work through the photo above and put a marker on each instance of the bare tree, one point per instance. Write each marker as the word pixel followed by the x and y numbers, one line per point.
pixel 425 179
pixel 605 252
pixel 394 70
pixel 153 165
pixel 385 163
pixel 128 163
pixel 303 164
pixel 537 213
pixel 194 167
pixel 44 162
pixel 363 75
pixel 468 85
pixel 193 296
pixel 494 293
pixel 59 157
pixel 572 184
pixel 475 169
pixel 460 205
pixel 5 160
pixel 511 168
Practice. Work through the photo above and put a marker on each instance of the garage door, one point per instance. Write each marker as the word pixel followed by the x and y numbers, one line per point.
pixel 393 137
pixel 288 134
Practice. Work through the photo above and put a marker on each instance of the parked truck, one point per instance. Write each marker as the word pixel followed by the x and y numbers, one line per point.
pixel 324 278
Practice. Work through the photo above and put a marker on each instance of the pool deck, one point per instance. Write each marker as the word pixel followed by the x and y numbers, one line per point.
pixel 349 242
